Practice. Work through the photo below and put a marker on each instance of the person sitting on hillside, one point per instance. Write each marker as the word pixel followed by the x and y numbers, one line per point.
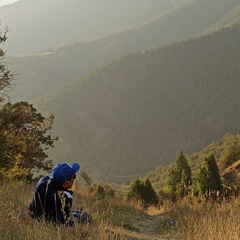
pixel 52 199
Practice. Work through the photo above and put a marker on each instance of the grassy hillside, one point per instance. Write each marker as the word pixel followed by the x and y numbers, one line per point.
pixel 137 112
pixel 115 218
pixel 48 70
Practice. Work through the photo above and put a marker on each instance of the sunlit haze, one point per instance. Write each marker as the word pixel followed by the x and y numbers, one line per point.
pixel 6 2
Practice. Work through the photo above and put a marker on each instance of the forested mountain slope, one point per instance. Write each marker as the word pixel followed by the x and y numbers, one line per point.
pixel 48 70
pixel 137 112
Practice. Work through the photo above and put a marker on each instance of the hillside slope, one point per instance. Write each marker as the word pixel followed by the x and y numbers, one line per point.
pixel 137 112
pixel 48 70
pixel 220 148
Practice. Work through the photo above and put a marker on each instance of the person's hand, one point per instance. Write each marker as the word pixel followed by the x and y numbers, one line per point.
pixel 82 217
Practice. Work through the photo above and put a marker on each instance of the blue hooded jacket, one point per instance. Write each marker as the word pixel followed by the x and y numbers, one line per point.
pixel 51 202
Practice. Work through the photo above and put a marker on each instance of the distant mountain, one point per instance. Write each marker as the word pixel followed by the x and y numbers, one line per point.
pixel 47 70
pixel 230 18
pixel 137 112
pixel 38 25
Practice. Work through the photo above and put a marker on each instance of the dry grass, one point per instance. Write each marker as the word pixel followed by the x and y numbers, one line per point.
pixel 116 219
pixel 205 220
pixel 109 216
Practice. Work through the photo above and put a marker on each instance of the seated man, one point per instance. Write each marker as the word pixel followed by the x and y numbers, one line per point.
pixel 52 199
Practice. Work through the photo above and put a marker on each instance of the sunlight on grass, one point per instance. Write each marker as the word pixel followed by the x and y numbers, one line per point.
pixel 116 219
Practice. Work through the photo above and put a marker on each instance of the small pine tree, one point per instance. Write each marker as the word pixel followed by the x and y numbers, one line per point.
pixel 180 177
pixel 172 182
pixel 135 190
pixel 182 166
pixel 143 191
pixel 102 190
pixel 208 177
pixel 149 196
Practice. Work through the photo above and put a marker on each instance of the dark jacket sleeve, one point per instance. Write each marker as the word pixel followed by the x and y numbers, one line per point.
pixel 36 207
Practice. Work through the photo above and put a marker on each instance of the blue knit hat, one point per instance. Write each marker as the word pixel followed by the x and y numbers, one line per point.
pixel 64 171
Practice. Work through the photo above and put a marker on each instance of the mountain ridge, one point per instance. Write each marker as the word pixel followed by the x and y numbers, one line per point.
pixel 137 112
pixel 72 21
pixel 67 63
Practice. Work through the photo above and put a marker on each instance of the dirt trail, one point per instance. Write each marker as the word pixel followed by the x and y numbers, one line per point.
pixel 144 229
pixel 147 228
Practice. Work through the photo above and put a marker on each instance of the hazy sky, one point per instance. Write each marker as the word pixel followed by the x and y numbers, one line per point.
pixel 5 2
